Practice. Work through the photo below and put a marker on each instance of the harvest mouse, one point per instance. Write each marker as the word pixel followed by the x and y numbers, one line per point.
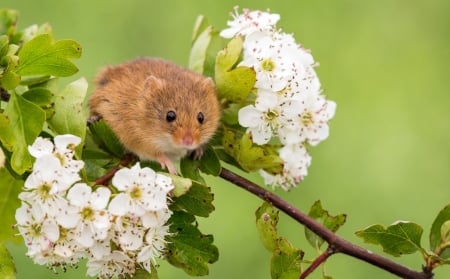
pixel 158 110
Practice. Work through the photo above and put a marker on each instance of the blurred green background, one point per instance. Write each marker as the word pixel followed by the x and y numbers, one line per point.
pixel 387 65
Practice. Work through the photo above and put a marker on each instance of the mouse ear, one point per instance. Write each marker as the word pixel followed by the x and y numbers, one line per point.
pixel 153 83
pixel 207 82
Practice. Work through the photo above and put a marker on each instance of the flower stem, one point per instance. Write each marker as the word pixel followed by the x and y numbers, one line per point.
pixel 317 262
pixel 104 180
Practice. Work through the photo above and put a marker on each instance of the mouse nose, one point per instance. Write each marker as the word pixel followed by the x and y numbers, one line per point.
pixel 187 139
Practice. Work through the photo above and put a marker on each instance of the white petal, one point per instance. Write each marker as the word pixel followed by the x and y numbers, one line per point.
pixel 85 236
pixel 40 147
pixel 249 116
pixel 262 135
pixel 51 230
pixel 99 199
pixel 119 205
pixel 79 195
pixel 64 141
pixel 68 217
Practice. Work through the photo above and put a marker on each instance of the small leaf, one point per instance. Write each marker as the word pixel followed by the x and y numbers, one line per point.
pixel 10 188
pixel 144 274
pixel 209 163
pixel 188 248
pixel 252 157
pixel 266 223
pixel 199 48
pixel 285 262
pixel 24 123
pixel 43 56
pixel 436 237
pixel 7 268
pixel 321 215
pixel 286 259
pixel 106 138
pixel 39 95
pixel 201 23
pixel 397 239
pixel 182 185
pixel 70 115
pixel 233 84
pixel 197 201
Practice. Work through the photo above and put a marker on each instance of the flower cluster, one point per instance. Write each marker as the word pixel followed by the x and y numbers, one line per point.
pixel 288 107
pixel 63 220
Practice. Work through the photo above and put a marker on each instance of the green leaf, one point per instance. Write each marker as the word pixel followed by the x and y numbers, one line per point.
pixel 233 84
pixel 252 157
pixel 70 115
pixel 286 259
pixel 43 56
pixel 106 138
pixel 7 268
pixel 321 215
pixel 201 23
pixel 10 188
pixel 436 233
pixel 210 163
pixel 266 223
pixel 199 48
pixel 182 185
pixel 285 262
pixel 397 239
pixel 24 123
pixel 197 201
pixel 39 95
pixel 188 248
pixel 8 21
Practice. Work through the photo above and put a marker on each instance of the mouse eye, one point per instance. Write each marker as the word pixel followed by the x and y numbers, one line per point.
pixel 200 118
pixel 171 116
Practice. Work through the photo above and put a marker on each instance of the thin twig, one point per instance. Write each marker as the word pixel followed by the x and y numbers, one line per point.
pixel 341 245
pixel 317 262
pixel 104 180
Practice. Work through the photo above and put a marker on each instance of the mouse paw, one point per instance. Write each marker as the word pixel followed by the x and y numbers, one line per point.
pixel 196 154
pixel 166 163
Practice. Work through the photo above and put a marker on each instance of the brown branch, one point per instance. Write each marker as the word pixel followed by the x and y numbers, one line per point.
pixel 339 244
pixel 317 262
pixel 104 180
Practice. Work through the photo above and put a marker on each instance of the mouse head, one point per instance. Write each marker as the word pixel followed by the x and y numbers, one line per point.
pixel 183 110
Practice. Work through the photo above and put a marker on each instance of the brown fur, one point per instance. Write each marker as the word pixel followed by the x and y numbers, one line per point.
pixel 133 98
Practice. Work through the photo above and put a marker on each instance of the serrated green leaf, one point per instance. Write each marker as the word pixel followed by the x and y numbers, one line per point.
pixel 199 48
pixel 10 188
pixel 285 261
pixel 106 138
pixel 70 115
pixel 7 268
pixel 210 163
pixel 188 248
pixel 197 201
pixel 4 45
pixel 43 56
pixel 435 232
pixel 191 169
pixel 266 223
pixel 321 215
pixel 397 239
pixel 24 123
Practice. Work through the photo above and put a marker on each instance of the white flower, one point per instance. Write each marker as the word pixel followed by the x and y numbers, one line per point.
pixel 249 22
pixel 307 119
pixel 154 246
pixel 116 264
pixel 261 119
pixel 158 218
pixel 38 231
pixel 46 185
pixel 141 190
pixel 87 213
pixel 130 232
